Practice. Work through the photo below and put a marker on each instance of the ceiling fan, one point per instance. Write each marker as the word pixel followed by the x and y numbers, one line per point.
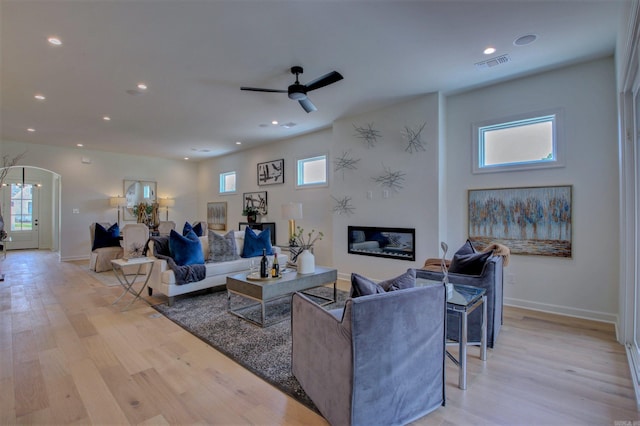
pixel 298 92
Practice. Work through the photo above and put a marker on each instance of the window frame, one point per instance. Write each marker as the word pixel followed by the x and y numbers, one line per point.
pixel 558 143
pixel 308 158
pixel 221 186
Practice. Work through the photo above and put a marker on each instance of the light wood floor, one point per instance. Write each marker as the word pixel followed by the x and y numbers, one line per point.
pixel 67 356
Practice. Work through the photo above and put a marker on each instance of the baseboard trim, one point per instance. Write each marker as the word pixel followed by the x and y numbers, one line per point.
pixel 72 258
pixel 634 367
pixel 562 310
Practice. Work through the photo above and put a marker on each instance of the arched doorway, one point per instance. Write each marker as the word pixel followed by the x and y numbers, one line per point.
pixel 30 206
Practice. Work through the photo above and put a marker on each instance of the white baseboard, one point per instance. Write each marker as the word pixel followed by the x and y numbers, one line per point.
pixel 563 310
pixel 634 367
pixel 72 258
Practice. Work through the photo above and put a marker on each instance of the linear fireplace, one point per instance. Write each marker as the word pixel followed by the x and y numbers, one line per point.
pixel 395 243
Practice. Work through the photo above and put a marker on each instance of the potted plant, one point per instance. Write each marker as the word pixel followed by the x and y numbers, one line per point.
pixel 304 258
pixel 251 213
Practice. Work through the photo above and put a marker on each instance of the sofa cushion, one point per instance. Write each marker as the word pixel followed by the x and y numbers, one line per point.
pixel 185 250
pixel 469 264
pixel 254 244
pixel 106 237
pixel 222 248
pixel 363 286
pixel 197 229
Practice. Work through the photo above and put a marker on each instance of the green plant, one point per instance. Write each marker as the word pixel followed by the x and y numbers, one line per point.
pixel 250 211
pixel 306 241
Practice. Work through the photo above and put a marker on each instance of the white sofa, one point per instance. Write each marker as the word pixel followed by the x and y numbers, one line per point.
pixel 163 280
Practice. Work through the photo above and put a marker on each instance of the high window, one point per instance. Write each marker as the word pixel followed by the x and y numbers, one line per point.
pixel 312 172
pixel 524 142
pixel 227 182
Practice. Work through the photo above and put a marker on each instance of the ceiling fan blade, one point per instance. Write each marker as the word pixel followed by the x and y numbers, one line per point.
pixel 307 105
pixel 325 80
pixel 257 89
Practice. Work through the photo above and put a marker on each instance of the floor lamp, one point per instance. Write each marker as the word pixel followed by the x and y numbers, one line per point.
pixel 117 202
pixel 167 202
pixel 292 211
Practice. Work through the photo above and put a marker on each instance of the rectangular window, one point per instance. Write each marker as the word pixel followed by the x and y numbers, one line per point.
pixel 312 172
pixel 227 183
pixel 528 141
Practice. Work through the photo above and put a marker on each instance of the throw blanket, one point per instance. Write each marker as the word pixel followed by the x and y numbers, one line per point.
pixel 184 273
pixel 499 250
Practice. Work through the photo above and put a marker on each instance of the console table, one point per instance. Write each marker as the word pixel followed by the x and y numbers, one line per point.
pixel 261 226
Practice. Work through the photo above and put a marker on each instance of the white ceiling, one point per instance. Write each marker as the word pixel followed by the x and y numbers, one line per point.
pixel 195 55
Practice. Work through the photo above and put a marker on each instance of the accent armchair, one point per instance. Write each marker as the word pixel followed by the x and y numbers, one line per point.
pixel 378 361
pixel 100 258
pixel 491 280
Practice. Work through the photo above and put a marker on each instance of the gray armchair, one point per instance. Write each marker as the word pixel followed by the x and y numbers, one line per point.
pixel 491 280
pixel 378 361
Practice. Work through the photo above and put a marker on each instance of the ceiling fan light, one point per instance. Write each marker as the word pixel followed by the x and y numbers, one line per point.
pixel 297 96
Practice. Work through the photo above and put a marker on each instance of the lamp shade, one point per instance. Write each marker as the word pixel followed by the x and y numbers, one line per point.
pixel 167 202
pixel 292 211
pixel 117 201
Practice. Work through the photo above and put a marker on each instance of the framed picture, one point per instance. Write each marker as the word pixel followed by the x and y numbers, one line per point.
pixel 532 221
pixel 271 172
pixel 217 216
pixel 257 200
pixel 136 192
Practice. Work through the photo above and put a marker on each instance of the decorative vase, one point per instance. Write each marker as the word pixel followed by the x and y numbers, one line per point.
pixel 251 218
pixel 306 262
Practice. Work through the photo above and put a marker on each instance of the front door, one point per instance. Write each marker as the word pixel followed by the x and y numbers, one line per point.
pixel 20 213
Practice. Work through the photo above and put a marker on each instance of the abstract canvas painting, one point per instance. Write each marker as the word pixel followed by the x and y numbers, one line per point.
pixel 532 221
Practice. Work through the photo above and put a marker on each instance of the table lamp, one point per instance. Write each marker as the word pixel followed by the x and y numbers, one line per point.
pixel 292 211
pixel 117 202
pixel 167 202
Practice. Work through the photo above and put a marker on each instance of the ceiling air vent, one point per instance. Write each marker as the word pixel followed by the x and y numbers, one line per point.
pixel 489 63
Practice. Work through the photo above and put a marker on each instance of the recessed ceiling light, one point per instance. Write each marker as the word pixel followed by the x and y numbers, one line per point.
pixel 525 39
pixel 142 86
pixel 186 158
pixel 54 41
pixel 40 97
pixel 31 129
pixel 489 50
pixel 274 122
pixel 106 118
pixel 79 145
pixel 238 143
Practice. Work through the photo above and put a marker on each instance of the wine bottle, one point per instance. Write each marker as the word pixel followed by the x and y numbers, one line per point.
pixel 275 269
pixel 263 264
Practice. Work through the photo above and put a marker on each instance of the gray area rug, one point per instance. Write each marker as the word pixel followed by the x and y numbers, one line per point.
pixel 264 351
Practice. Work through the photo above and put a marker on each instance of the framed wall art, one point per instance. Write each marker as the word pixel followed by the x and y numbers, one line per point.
pixel 271 172
pixel 257 200
pixel 136 192
pixel 531 220
pixel 217 216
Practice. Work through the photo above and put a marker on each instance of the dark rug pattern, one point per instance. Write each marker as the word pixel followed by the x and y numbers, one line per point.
pixel 264 351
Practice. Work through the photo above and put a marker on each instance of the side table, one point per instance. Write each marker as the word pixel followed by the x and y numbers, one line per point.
pixel 118 271
pixel 465 299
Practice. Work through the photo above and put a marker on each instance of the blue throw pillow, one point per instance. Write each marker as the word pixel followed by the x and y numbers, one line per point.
pixel 106 237
pixel 469 264
pixel 196 229
pixel 253 244
pixel 185 250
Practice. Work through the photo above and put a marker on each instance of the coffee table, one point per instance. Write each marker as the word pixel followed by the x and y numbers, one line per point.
pixel 269 289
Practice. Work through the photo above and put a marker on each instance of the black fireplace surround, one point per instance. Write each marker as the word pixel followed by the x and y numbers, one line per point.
pixel 394 243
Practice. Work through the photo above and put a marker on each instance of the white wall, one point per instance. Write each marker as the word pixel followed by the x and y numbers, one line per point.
pixel 585 285
pixel 413 206
pixel 316 209
pixel 87 187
